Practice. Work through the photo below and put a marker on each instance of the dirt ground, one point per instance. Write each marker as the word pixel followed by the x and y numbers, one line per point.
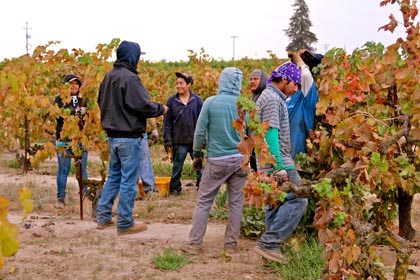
pixel 59 245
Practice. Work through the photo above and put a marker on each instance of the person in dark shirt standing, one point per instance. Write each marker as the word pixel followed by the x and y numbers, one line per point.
pixel 125 106
pixel 179 125
pixel 77 106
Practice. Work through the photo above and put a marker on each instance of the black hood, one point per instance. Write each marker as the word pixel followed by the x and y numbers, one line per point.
pixel 129 52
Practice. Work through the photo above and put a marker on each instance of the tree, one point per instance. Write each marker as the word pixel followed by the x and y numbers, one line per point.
pixel 298 32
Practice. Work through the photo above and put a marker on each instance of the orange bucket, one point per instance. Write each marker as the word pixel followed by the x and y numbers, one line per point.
pixel 161 183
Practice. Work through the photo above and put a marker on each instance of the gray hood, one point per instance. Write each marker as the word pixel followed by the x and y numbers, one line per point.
pixel 230 81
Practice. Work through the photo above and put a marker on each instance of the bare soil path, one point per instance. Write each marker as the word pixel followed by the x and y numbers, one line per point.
pixel 58 245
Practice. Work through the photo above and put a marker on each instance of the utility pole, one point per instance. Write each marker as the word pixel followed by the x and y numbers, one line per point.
pixel 26 123
pixel 28 46
pixel 233 38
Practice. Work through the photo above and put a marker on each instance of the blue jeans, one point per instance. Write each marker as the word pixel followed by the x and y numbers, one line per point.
pixel 179 153
pixel 283 219
pixel 125 159
pixel 64 164
pixel 146 170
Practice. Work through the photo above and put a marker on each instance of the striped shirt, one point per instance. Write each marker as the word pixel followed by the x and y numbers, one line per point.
pixel 271 107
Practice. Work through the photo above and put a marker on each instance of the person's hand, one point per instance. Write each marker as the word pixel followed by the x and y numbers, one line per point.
pixel 297 59
pixel 280 176
pixel 155 136
pixel 301 51
pixel 197 164
pixel 165 109
pixel 81 111
pixel 312 135
pixel 168 149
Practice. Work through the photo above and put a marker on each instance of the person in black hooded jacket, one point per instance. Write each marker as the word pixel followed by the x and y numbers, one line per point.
pixel 125 106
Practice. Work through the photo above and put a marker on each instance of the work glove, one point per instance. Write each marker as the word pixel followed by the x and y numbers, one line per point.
pixel 280 176
pixel 197 164
pixel 81 111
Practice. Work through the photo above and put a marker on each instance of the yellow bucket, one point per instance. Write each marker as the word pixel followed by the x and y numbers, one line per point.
pixel 161 183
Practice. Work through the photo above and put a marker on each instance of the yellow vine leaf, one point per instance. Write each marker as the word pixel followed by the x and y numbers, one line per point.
pixel 12 269
pixel 391 55
pixel 4 208
pixel 1 260
pixel 25 200
pixel 347 253
pixel 356 253
pixel 8 233
pixel 8 239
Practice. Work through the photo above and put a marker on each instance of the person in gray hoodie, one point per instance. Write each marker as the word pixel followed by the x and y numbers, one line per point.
pixel 257 83
pixel 223 161
pixel 125 106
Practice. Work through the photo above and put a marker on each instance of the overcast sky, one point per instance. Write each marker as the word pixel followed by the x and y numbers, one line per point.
pixel 166 29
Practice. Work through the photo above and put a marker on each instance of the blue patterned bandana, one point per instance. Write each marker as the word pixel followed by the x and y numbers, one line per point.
pixel 288 71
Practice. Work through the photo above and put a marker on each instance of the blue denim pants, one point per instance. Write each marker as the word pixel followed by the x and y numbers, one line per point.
pixel 283 219
pixel 64 164
pixel 179 154
pixel 125 159
pixel 146 171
